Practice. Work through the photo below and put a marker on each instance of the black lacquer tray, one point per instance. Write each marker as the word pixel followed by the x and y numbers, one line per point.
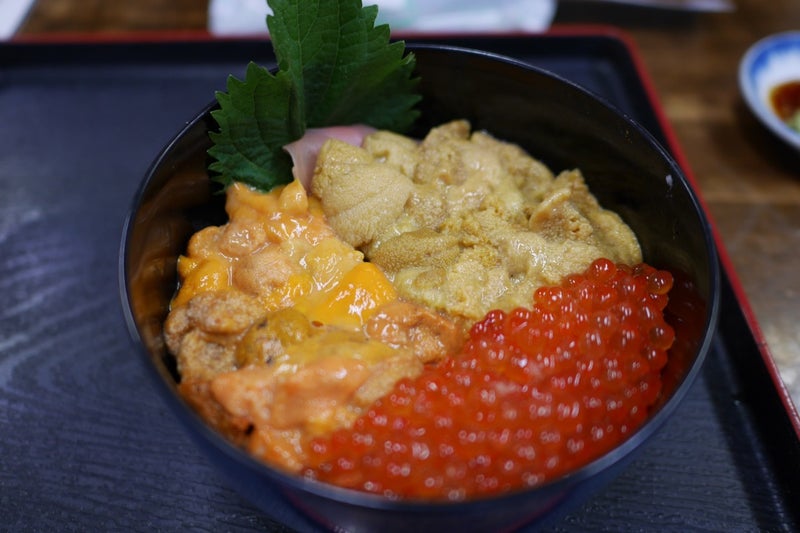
pixel 86 443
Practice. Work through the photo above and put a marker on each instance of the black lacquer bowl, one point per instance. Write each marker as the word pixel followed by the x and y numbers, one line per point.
pixel 555 121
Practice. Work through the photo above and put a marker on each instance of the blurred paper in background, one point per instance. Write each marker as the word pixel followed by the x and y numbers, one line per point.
pixel 240 17
pixel 11 14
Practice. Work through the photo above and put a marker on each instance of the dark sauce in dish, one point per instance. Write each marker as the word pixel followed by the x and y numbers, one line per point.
pixel 785 99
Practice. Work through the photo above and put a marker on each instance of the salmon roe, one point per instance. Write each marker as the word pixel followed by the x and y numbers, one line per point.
pixel 536 393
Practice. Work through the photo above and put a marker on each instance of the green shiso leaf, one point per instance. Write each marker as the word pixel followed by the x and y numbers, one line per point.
pixel 335 67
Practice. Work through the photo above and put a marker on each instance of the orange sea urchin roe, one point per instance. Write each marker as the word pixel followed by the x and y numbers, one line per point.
pixel 536 392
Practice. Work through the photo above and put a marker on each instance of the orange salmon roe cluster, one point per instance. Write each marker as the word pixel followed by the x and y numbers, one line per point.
pixel 536 393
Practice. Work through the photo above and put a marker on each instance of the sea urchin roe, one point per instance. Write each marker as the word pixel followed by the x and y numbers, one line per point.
pixel 463 222
pixel 281 331
pixel 536 393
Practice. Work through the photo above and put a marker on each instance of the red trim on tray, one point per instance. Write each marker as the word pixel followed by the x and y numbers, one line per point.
pixel 724 257
pixel 564 30
pixel 166 36
pixel 125 37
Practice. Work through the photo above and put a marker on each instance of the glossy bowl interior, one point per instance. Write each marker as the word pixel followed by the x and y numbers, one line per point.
pixel 554 120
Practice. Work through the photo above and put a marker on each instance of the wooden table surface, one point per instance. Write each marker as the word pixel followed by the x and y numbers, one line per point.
pixel 750 182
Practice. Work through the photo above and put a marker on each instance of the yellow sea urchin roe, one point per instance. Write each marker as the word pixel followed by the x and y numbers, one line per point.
pixel 275 253
pixel 463 222
pixel 358 293
pixel 278 249
pixel 282 332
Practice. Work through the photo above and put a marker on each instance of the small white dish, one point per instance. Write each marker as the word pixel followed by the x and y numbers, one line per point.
pixel 768 63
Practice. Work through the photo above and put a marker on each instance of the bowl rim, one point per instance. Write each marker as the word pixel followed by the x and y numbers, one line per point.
pixel 619 454
pixel 752 63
